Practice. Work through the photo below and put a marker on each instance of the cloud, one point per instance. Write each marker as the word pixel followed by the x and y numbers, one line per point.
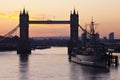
pixel 13 15
pixel 3 15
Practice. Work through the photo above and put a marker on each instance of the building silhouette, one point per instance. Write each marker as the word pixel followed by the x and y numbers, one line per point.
pixel 74 22
pixel 24 44
pixel 111 36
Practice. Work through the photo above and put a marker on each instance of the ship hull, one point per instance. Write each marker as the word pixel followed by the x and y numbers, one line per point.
pixel 95 61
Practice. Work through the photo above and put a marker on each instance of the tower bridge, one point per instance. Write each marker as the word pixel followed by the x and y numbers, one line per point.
pixel 24 44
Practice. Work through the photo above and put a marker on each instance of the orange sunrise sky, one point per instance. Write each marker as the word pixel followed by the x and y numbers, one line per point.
pixel 106 13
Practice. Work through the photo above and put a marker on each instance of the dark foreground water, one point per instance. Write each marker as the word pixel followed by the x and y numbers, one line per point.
pixel 50 64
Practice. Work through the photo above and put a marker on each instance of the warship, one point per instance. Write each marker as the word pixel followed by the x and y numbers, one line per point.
pixel 91 51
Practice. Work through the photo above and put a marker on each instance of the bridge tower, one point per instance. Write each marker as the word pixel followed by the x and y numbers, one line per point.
pixel 24 43
pixel 74 22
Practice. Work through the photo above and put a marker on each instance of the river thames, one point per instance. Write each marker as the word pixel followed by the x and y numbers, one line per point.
pixel 50 64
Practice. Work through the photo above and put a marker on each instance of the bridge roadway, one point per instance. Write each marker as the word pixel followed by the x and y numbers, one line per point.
pixel 50 22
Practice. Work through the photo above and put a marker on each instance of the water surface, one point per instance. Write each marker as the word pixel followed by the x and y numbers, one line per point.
pixel 50 64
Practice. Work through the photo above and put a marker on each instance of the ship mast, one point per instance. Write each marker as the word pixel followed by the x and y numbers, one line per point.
pixel 92 27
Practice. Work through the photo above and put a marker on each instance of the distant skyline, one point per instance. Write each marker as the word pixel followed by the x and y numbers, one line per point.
pixel 106 13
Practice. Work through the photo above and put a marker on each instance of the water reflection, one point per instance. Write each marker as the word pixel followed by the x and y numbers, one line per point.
pixel 93 73
pixel 75 72
pixel 23 67
pixel 80 72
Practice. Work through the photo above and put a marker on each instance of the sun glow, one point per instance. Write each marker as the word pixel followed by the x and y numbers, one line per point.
pixel 12 17
pixel 7 16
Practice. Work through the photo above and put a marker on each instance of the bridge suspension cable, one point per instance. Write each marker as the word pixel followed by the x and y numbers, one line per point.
pixel 87 34
pixel 84 30
pixel 10 33
pixel 81 28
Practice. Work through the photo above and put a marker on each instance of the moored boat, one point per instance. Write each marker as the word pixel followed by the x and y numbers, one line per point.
pixel 91 51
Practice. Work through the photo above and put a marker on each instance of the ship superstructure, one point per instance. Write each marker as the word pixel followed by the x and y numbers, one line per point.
pixel 91 51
